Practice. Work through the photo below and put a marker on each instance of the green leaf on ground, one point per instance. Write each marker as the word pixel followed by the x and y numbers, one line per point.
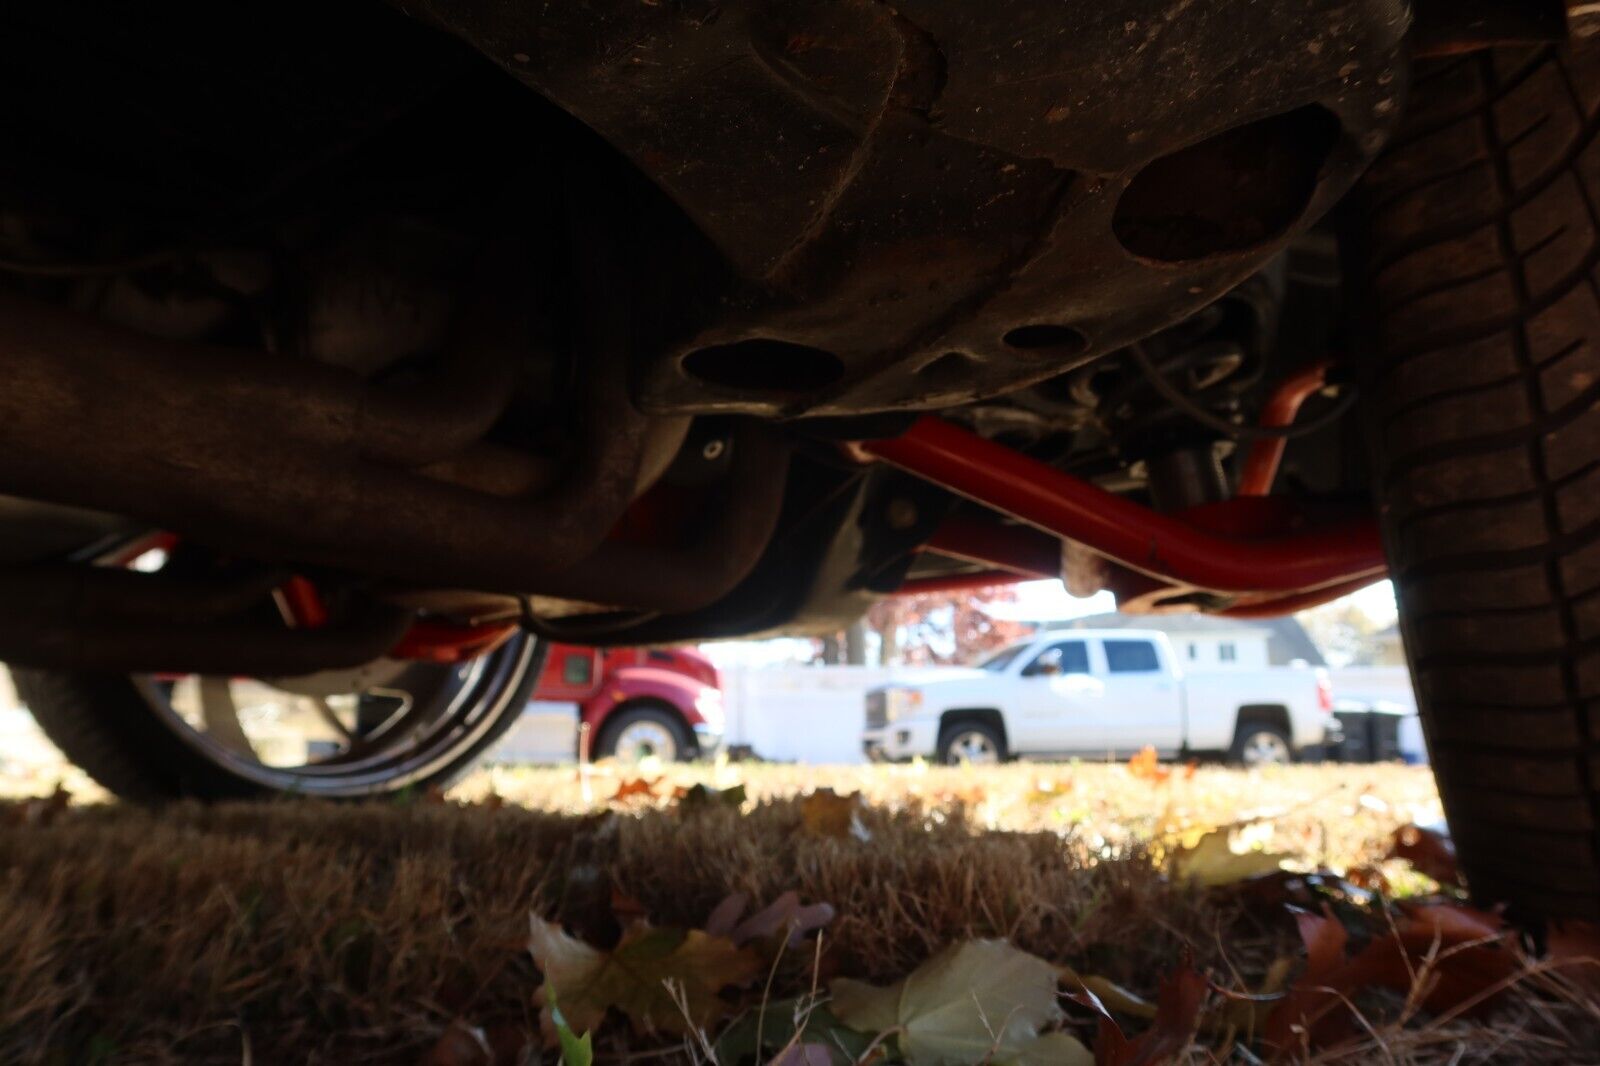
pixel 978 1001
pixel 575 1050
pixel 633 976
pixel 799 1022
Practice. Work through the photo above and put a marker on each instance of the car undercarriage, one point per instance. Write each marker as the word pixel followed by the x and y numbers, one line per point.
pixel 349 342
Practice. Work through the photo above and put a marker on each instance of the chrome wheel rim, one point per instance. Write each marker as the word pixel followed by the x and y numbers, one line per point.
pixel 642 739
pixel 972 747
pixel 1265 749
pixel 435 716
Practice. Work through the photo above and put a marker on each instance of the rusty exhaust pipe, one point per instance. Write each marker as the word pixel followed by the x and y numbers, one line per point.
pixel 277 459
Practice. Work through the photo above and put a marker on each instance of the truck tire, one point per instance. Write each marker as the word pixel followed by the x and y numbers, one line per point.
pixel 630 733
pixel 1482 404
pixel 1261 744
pixel 110 726
pixel 971 741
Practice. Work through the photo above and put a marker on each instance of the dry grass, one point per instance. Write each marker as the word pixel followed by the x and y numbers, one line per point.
pixel 1329 816
pixel 295 932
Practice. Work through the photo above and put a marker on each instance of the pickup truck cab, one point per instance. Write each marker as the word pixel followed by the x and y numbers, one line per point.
pixel 1090 692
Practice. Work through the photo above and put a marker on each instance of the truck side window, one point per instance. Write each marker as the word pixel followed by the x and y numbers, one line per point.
pixel 577 669
pixel 1067 657
pixel 1131 657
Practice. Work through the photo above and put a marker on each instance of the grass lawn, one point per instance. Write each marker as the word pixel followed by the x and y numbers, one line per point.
pixel 298 932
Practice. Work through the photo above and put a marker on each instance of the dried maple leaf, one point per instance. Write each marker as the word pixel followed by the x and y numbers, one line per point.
pixel 636 786
pixel 1176 1017
pixel 1147 767
pixel 633 976
pixel 1454 956
pixel 1430 850
pixel 825 813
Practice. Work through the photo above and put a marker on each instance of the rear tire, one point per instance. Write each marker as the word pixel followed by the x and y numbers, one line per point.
pixel 107 725
pixel 1483 409
pixel 1258 744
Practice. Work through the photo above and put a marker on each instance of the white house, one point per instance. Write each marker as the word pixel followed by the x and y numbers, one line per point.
pixel 1207 643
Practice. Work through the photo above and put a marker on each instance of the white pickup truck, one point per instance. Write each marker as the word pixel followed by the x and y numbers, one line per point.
pixel 1099 693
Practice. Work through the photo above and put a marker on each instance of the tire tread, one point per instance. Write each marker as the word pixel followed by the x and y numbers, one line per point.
pixel 1485 421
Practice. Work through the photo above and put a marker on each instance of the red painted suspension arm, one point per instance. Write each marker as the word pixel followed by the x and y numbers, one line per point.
pixel 1266 453
pixel 1125 532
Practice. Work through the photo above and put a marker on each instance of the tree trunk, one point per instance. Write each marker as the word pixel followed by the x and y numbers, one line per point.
pixel 855 643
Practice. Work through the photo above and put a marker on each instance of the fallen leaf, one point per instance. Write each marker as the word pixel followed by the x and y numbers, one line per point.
pixel 1576 946
pixel 804 1055
pixel 460 1045
pixel 511 1043
pixel 704 797
pixel 40 810
pixel 1048 791
pixel 783 915
pixel 1368 879
pixel 625 907
pixel 825 813
pixel 575 1050
pixel 799 1022
pixel 1105 994
pixel 1212 861
pixel 632 976
pixel 978 1001
pixel 1430 850
pixel 636 786
pixel 1454 957
pixel 1147 767
pixel 1175 1019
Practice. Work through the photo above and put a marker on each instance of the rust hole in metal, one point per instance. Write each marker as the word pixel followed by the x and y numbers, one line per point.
pixel 1237 190
pixel 762 364
pixel 1046 337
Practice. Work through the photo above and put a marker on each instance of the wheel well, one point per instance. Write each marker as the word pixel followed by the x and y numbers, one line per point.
pixel 982 715
pixel 652 703
pixel 1258 714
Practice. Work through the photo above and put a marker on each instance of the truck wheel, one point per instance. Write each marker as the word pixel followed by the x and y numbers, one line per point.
pixel 971 742
pixel 1258 744
pixel 1483 409
pixel 637 732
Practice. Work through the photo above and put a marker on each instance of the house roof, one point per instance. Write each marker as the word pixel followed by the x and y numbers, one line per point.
pixel 1166 623
pixel 1287 640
